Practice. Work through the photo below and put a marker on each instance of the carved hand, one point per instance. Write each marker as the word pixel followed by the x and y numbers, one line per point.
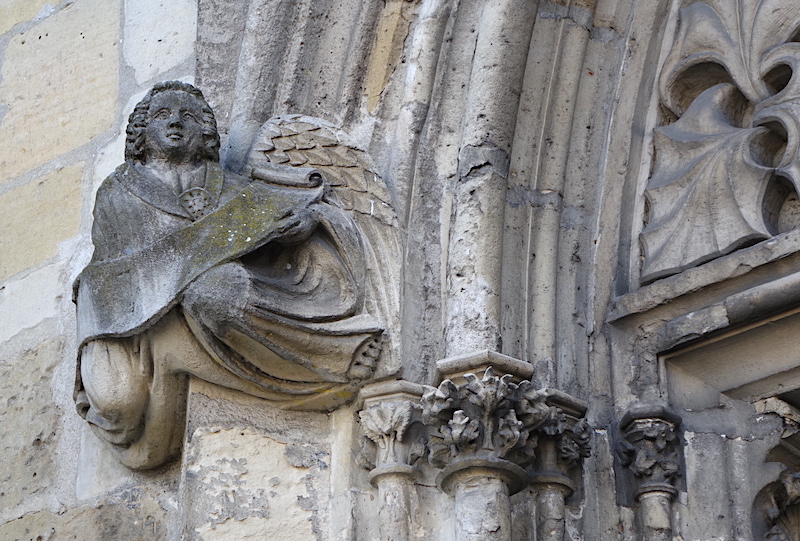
pixel 296 225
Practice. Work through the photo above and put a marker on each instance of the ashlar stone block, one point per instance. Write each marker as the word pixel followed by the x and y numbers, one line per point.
pixel 13 12
pixel 241 483
pixel 30 422
pixel 26 303
pixel 37 216
pixel 133 514
pixel 151 47
pixel 60 85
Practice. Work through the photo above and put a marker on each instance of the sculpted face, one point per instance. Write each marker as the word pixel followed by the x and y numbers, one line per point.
pixel 175 128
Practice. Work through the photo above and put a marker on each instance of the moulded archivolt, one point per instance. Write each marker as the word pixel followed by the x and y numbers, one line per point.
pixel 727 162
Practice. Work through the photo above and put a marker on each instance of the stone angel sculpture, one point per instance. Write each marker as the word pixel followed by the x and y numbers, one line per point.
pixel 278 282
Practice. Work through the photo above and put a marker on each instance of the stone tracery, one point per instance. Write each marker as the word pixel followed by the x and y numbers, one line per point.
pixel 727 155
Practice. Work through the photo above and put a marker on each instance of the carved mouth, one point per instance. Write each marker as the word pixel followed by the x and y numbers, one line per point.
pixel 174 136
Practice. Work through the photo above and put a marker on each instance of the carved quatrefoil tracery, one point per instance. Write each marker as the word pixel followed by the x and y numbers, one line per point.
pixel 727 167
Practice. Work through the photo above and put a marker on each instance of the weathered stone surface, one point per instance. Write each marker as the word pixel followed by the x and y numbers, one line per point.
pixel 131 515
pixel 27 302
pixel 243 482
pixel 59 82
pixel 17 11
pixel 520 168
pixel 152 47
pixel 36 217
pixel 30 422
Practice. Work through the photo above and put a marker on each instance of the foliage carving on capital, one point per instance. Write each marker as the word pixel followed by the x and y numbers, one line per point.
pixel 573 439
pixel 728 152
pixel 385 424
pixel 784 511
pixel 490 417
pixel 650 448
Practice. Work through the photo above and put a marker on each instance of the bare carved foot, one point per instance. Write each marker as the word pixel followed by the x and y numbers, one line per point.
pixel 366 359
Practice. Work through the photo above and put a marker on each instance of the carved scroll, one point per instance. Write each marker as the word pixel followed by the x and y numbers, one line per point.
pixel 727 157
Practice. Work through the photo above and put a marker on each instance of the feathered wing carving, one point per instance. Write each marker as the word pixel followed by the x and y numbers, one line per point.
pixel 354 185
pixel 731 80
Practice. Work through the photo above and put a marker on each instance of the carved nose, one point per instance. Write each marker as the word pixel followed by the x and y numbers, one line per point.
pixel 175 120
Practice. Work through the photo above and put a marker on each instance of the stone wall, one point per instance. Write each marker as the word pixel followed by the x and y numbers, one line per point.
pixel 70 73
pixel 592 196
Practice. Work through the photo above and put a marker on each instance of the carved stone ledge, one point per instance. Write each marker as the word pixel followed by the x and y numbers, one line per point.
pixel 476 362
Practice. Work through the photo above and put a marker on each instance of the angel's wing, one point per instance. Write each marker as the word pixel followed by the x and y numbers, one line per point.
pixel 304 141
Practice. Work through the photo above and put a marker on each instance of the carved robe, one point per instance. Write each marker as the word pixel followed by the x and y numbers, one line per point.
pixel 287 318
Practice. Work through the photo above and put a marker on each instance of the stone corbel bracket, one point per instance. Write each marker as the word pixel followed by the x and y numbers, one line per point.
pixel 650 448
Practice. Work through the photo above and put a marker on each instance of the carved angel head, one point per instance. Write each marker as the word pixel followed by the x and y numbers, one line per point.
pixel 195 113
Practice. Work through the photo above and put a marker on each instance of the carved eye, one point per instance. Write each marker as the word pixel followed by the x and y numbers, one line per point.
pixel 163 114
pixel 189 116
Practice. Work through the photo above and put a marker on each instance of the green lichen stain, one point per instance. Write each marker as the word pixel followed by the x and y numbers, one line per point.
pixel 248 221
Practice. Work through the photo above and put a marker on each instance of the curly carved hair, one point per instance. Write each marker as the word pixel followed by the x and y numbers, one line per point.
pixel 137 123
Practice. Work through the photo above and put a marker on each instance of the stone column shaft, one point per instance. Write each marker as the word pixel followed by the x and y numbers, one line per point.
pixel 390 409
pixel 550 513
pixel 482 507
pixel 394 501
pixel 473 307
pixel 655 514
pixel 550 494
pixel 563 441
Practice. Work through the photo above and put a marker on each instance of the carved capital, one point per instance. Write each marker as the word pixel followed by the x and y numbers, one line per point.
pixel 564 440
pixel 783 512
pixel 389 411
pixel 490 417
pixel 569 429
pixel 650 447
pixel 385 423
